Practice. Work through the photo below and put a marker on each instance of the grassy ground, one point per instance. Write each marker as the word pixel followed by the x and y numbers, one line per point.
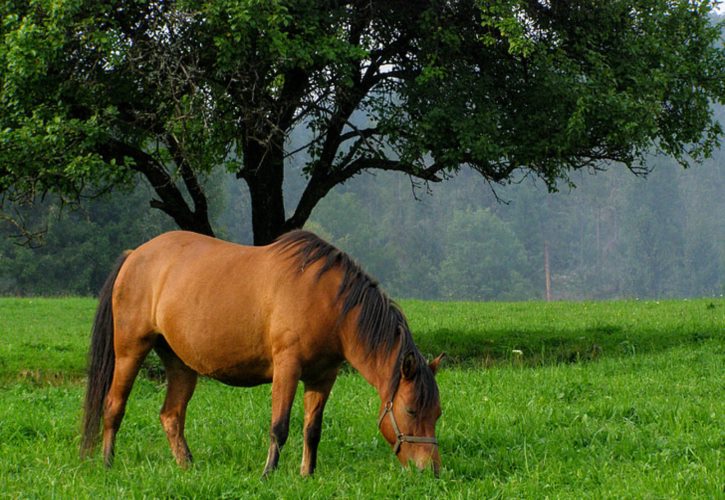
pixel 613 399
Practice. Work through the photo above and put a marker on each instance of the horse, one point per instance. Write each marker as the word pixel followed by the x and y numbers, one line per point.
pixel 291 311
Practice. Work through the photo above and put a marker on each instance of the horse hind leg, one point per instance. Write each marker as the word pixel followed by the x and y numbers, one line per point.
pixel 181 382
pixel 125 369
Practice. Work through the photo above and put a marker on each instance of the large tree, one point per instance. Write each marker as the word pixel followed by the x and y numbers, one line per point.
pixel 96 94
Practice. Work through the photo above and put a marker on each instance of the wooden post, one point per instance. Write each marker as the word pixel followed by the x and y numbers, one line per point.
pixel 547 271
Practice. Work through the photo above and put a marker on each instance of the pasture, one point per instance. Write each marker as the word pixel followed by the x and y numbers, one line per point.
pixel 606 399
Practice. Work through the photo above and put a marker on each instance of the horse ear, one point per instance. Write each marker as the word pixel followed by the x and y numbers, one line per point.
pixel 434 364
pixel 409 366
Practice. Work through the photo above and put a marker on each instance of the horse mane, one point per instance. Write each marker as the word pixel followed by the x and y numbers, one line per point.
pixel 381 324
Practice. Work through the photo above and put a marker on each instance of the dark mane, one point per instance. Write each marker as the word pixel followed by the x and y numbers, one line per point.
pixel 381 323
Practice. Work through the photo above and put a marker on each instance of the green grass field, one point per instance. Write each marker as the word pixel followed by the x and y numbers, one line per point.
pixel 611 399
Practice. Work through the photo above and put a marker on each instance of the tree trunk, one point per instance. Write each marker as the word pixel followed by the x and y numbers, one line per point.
pixel 264 174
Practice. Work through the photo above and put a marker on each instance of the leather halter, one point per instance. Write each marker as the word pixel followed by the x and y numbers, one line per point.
pixel 401 438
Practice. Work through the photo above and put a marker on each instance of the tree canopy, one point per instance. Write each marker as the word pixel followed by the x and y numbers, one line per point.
pixel 95 95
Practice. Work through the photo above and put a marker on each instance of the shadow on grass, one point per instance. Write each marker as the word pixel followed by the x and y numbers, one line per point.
pixel 539 347
pixel 475 349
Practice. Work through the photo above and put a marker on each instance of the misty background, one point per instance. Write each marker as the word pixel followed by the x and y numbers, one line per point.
pixel 614 235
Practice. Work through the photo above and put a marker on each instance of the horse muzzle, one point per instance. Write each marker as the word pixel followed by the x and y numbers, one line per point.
pixel 423 460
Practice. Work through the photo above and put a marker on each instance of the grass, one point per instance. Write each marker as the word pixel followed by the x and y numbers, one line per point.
pixel 612 399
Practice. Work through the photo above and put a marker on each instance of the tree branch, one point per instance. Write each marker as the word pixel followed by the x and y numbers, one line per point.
pixel 190 180
pixel 323 181
pixel 294 89
pixel 172 202
pixel 429 173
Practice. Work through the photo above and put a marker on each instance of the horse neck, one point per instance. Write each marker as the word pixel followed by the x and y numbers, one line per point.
pixel 376 367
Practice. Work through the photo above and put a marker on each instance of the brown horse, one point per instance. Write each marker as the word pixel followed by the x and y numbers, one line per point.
pixel 290 311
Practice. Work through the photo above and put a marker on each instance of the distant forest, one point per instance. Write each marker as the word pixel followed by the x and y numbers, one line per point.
pixel 614 235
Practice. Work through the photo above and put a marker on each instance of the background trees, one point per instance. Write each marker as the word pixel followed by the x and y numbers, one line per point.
pixel 99 94
pixel 614 235
pixel 78 245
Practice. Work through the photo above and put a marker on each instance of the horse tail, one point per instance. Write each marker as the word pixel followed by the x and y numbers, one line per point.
pixel 101 361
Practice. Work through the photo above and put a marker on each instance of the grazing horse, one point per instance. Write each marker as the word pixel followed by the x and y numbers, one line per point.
pixel 293 310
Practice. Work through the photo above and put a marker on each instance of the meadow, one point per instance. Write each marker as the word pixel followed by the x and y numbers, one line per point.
pixel 565 400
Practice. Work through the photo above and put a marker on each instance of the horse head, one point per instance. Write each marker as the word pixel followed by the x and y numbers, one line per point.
pixel 408 419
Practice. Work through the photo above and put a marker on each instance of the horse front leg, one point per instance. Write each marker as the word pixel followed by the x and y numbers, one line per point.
pixel 284 385
pixel 316 395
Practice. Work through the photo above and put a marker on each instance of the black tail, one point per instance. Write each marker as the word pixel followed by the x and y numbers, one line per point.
pixel 101 360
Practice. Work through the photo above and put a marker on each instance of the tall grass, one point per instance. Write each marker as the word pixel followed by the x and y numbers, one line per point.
pixel 640 415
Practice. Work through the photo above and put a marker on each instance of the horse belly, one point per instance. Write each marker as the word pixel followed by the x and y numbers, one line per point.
pixel 215 338
pixel 244 374
pixel 232 356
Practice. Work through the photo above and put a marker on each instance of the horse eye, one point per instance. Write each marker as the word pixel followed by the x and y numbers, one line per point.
pixel 410 411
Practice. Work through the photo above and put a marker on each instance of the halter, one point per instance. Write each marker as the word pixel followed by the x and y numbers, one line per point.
pixel 401 438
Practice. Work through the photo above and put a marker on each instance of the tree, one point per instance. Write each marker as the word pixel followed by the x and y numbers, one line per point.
pixel 484 260
pixel 79 244
pixel 655 236
pixel 95 94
